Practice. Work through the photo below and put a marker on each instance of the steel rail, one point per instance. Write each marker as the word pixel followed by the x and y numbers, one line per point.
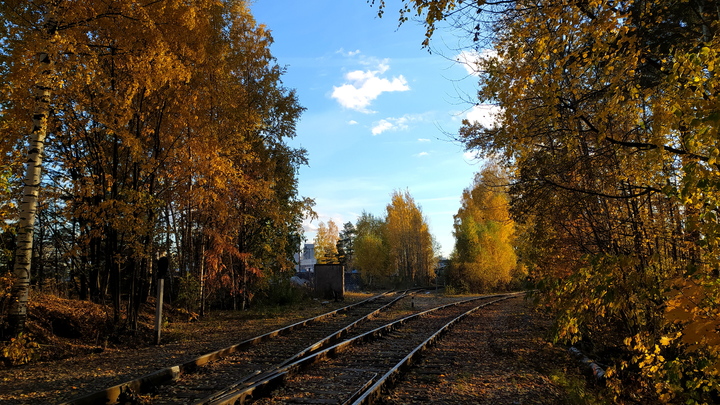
pixel 372 392
pixel 267 381
pixel 168 374
pixel 320 344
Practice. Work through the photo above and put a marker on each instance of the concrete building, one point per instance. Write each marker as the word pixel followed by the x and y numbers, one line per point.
pixel 306 259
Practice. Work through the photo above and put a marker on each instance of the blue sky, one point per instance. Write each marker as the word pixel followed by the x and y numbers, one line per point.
pixel 379 110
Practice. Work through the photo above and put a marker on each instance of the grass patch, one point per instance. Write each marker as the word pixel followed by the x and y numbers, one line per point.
pixel 578 391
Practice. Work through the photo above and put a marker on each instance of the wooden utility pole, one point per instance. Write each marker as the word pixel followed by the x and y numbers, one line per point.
pixel 158 310
pixel 163 264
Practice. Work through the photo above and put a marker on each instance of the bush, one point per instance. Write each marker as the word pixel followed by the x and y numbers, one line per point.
pixel 20 350
pixel 188 293
pixel 282 292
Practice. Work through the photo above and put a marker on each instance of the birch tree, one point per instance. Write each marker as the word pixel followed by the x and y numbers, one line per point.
pixel 167 131
pixel 484 256
pixel 326 242
pixel 40 27
pixel 372 250
pixel 408 235
pixel 28 206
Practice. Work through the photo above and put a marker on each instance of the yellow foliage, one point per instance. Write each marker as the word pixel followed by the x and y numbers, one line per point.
pixel 168 132
pixel 484 255
pixel 609 119
pixel 411 252
pixel 326 242
pixel 19 350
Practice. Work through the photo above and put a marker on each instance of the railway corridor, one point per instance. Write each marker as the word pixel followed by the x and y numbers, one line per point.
pixel 496 354
pixel 390 330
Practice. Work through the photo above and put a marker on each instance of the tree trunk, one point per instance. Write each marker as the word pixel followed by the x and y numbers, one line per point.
pixel 28 207
pixel 202 277
pixel 112 269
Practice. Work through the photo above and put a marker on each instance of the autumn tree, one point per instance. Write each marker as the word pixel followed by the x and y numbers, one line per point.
pixel 412 254
pixel 484 256
pixel 372 250
pixel 326 241
pixel 116 143
pixel 269 214
pixel 397 249
pixel 596 135
pixel 43 29
pixel 609 125
pixel 167 134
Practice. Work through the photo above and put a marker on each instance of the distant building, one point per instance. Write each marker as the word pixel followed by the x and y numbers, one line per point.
pixel 441 272
pixel 306 259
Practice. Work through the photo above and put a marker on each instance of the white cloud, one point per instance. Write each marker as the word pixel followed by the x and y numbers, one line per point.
pixel 309 227
pixel 396 124
pixel 364 86
pixel 352 122
pixel 382 126
pixel 421 154
pixel 472 59
pixel 484 114
pixel 343 52
pixel 423 140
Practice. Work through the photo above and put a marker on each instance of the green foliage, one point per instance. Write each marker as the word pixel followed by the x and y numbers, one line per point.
pixel 576 389
pixel 345 245
pixel 281 291
pixel 458 287
pixel 188 296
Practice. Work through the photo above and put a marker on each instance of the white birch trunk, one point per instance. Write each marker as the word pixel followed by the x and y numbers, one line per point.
pixel 28 206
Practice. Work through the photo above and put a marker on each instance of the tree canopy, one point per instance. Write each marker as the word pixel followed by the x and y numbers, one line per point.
pixel 397 249
pixel 371 250
pixel 609 128
pixel 326 241
pixel 166 134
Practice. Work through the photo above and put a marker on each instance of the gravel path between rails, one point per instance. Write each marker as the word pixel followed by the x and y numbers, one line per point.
pixel 498 355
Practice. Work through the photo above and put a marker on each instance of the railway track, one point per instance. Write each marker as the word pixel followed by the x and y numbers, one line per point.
pixel 363 346
pixel 355 370
pixel 286 338
pixel 248 364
